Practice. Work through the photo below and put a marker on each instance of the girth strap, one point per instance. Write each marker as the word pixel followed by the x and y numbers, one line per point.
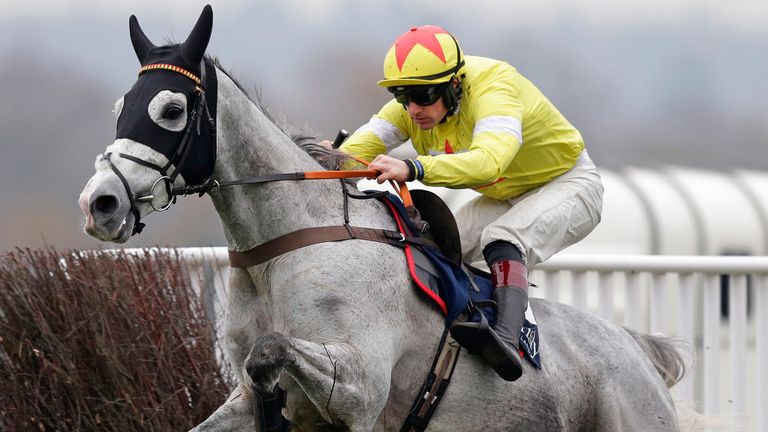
pixel 434 387
pixel 309 236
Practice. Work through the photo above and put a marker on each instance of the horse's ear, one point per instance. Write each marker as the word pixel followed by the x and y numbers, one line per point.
pixel 141 43
pixel 193 49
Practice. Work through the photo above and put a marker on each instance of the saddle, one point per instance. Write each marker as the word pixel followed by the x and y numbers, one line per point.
pixel 440 223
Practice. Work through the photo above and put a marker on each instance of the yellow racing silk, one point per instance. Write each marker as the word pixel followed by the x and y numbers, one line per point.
pixel 507 138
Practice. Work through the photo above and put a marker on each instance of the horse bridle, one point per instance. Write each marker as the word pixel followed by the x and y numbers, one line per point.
pixel 179 157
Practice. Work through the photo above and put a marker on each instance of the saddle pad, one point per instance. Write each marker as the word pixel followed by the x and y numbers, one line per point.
pixel 451 294
pixel 450 287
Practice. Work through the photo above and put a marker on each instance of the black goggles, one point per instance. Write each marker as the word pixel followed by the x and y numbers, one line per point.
pixel 422 95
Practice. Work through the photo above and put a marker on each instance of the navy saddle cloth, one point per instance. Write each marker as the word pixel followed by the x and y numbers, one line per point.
pixel 455 288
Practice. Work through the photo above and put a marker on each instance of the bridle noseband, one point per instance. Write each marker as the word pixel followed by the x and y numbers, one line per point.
pixel 179 157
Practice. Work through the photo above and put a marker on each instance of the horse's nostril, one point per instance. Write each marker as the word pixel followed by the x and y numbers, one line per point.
pixel 104 205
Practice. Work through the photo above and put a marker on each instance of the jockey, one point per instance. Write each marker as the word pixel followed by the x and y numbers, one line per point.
pixel 478 123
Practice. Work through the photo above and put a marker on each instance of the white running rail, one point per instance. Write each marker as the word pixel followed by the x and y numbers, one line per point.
pixel 717 306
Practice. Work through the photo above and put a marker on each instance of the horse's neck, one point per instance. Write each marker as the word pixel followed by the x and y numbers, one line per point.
pixel 249 144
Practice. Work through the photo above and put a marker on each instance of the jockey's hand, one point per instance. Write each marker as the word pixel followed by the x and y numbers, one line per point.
pixel 390 169
pixel 327 144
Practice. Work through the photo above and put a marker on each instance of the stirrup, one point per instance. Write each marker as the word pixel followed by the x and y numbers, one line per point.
pixel 472 335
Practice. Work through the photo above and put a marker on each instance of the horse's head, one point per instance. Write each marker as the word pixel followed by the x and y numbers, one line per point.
pixel 165 136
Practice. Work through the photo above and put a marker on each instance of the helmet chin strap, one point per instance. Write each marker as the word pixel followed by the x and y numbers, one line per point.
pixel 452 96
pixel 454 91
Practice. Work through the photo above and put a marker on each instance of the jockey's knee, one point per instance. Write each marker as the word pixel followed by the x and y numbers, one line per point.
pixel 502 250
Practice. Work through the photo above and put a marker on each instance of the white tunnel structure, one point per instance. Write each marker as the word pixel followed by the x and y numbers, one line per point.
pixel 681 211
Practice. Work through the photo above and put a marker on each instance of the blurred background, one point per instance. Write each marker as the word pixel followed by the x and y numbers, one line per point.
pixel 648 83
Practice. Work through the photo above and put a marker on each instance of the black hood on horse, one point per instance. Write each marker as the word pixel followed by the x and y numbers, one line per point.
pixel 180 68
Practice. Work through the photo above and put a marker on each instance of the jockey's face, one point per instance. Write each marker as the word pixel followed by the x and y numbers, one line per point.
pixel 427 117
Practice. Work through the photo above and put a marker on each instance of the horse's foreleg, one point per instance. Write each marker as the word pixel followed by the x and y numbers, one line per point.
pixel 236 414
pixel 336 378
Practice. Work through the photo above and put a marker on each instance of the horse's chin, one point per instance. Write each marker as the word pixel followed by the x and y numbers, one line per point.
pixel 119 235
pixel 125 231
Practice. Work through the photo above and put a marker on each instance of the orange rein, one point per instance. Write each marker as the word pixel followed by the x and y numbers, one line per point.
pixel 399 187
pixel 340 174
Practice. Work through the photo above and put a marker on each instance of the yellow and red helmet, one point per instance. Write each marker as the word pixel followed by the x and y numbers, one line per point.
pixel 421 56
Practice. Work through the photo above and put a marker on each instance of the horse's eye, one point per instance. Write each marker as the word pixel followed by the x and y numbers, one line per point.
pixel 173 112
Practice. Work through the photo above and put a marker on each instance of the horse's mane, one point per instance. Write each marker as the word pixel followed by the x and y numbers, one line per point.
pixel 328 159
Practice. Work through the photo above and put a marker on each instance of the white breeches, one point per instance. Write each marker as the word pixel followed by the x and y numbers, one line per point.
pixel 541 222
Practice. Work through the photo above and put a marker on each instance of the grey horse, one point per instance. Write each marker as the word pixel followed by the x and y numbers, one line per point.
pixel 338 325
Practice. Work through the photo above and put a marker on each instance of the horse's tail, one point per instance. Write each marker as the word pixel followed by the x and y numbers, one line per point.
pixel 664 355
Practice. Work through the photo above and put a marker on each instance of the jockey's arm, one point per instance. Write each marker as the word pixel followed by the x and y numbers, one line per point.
pixel 376 138
pixel 485 162
pixel 496 136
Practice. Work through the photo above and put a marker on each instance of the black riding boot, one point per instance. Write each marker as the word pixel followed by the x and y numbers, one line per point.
pixel 498 346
